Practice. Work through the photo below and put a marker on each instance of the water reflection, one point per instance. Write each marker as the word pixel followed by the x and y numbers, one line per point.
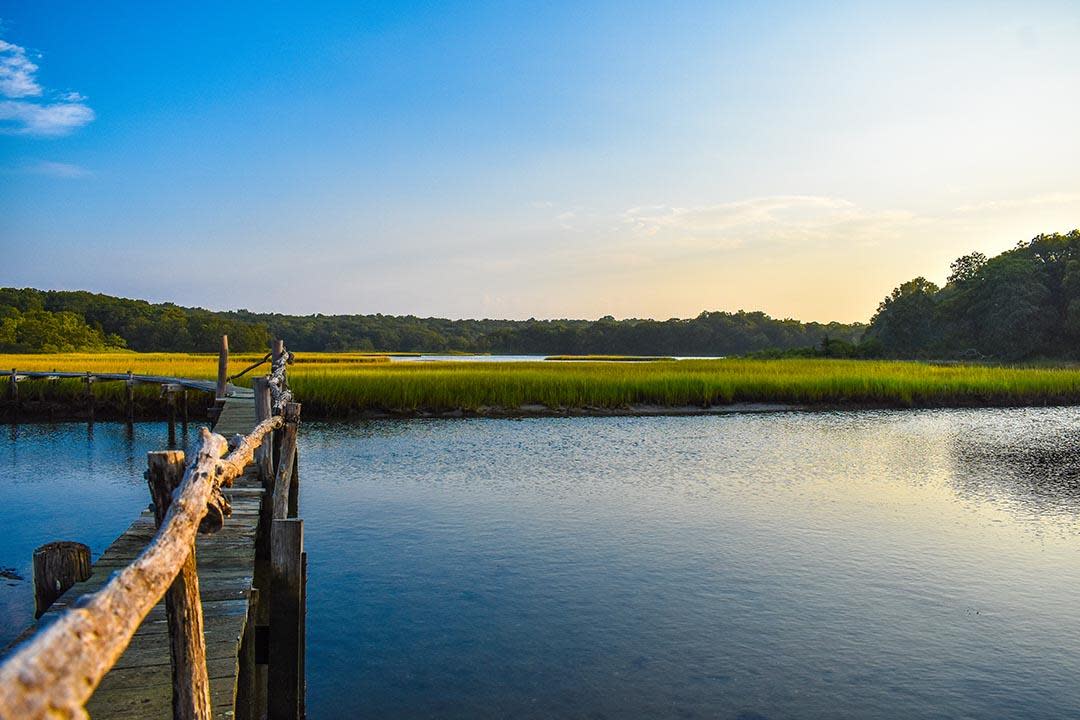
pixel 796 565
pixel 68 481
pixel 800 565
pixel 1025 461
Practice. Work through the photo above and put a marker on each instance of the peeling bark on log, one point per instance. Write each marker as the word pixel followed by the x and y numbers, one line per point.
pixel 54 673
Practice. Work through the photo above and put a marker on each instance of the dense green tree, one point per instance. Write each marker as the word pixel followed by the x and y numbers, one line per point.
pixel 904 323
pixel 1021 304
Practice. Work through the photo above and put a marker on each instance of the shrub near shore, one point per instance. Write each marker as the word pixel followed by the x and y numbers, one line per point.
pixel 340 385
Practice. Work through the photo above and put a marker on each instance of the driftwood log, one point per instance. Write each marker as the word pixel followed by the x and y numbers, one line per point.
pixel 54 673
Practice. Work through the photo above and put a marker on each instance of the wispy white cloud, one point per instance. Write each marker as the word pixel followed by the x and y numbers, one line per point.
pixel 27 118
pixel 763 222
pixel 17 72
pixel 59 114
pixel 51 168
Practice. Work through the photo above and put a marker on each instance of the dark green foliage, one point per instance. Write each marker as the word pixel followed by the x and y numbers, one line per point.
pixel 904 320
pixel 44 331
pixel 171 328
pixel 119 322
pixel 1022 304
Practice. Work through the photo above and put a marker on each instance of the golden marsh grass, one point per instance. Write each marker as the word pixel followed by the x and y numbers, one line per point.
pixel 338 385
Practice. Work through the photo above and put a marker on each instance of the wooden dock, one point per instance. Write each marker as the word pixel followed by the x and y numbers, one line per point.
pixel 236 566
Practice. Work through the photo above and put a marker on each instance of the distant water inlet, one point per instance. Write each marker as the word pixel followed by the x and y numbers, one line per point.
pixel 885 564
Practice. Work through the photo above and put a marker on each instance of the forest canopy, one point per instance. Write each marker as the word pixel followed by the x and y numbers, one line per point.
pixel 1021 304
pixel 91 322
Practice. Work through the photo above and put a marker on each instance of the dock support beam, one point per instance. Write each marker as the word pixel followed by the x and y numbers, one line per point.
pixel 264 456
pixel 130 382
pixel 90 403
pixel 287 561
pixel 183 605
pixel 284 479
pixel 223 368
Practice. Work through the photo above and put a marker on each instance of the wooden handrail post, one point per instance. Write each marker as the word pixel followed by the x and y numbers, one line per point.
pixel 286 462
pixel 264 456
pixel 183 605
pixel 277 349
pixel 286 684
pixel 223 368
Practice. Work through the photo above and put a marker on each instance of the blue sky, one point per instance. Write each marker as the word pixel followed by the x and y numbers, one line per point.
pixel 527 159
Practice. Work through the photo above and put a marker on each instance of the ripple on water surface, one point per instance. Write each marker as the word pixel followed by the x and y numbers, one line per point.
pixel 863 564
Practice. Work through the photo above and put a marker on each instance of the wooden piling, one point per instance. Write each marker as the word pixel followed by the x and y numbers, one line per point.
pixel 264 456
pixel 301 650
pixel 223 368
pixel 90 401
pixel 286 619
pixel 294 487
pixel 287 462
pixel 51 394
pixel 183 605
pixel 170 399
pixel 13 387
pixel 130 397
pixel 58 566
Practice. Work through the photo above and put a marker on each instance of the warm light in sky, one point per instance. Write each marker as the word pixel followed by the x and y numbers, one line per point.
pixel 514 161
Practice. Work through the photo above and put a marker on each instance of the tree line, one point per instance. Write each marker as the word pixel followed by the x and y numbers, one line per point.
pixel 51 321
pixel 1021 304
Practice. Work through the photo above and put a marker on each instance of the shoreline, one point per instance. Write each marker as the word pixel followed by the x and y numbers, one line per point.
pixel 60 412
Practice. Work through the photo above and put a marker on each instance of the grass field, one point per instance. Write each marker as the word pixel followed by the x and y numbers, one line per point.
pixel 608 358
pixel 339 385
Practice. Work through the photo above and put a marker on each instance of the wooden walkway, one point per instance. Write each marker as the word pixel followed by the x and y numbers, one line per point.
pixel 140 684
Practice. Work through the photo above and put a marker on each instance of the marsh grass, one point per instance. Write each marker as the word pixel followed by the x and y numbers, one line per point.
pixel 339 385
pixel 439 387
pixel 609 358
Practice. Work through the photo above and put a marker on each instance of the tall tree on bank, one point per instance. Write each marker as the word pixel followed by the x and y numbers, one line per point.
pixel 1022 304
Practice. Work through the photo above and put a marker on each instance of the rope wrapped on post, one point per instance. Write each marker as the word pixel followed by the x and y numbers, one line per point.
pixel 54 673
pixel 280 393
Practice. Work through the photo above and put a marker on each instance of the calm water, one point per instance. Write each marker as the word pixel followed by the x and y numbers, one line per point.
pixel 850 565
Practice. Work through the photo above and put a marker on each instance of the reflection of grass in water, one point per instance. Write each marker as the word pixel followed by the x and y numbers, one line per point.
pixel 337 384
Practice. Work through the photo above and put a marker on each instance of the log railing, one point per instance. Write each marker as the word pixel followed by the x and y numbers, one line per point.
pixel 54 673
